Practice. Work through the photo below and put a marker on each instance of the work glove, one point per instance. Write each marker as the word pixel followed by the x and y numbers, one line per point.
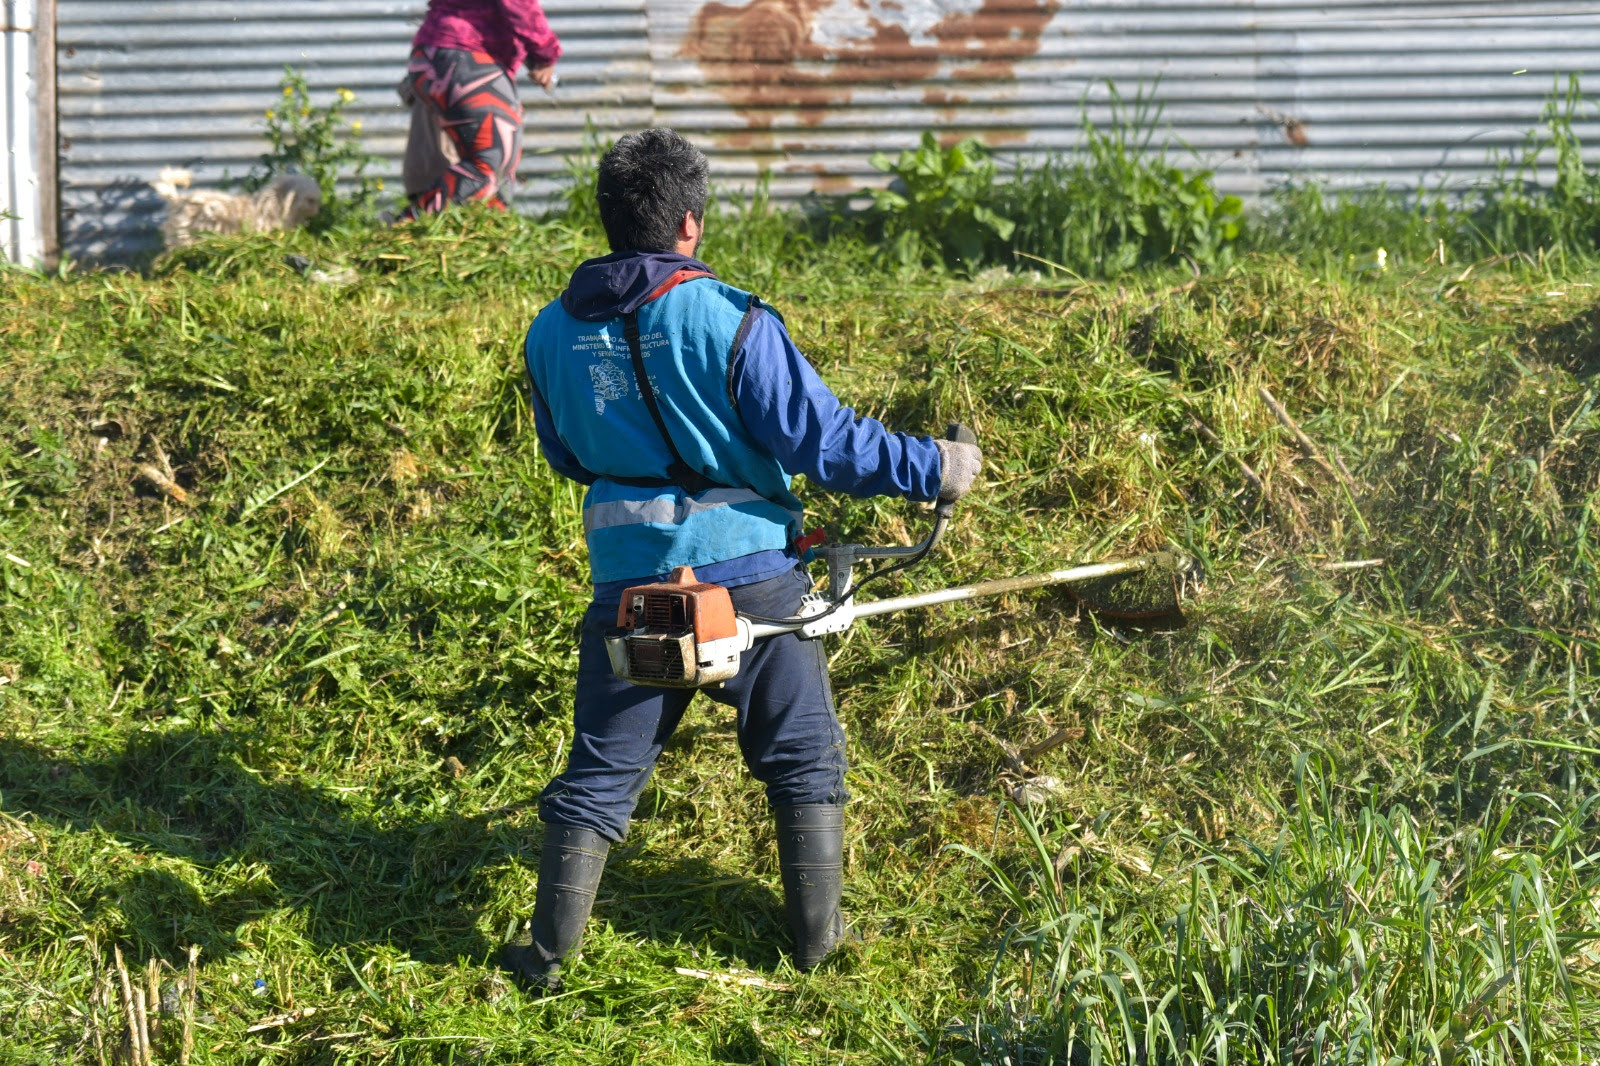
pixel 958 465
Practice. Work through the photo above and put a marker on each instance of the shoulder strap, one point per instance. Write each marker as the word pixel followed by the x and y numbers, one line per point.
pixel 751 306
pixel 679 472
pixel 678 277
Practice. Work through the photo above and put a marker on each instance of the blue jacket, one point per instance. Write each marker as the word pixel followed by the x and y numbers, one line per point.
pixel 748 415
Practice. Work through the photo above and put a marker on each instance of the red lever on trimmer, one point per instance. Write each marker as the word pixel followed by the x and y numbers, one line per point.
pixel 810 540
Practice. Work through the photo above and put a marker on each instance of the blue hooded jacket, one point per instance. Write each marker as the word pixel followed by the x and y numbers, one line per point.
pixel 783 419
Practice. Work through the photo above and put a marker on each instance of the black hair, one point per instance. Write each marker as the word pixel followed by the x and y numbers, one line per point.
pixel 647 181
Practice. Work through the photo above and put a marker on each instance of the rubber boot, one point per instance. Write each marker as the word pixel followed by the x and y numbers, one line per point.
pixel 570 865
pixel 811 858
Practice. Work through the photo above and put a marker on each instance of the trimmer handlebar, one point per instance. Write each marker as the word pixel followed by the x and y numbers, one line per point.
pixel 841 558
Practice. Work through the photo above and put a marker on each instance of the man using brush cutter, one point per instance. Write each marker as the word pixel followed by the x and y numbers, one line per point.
pixel 684 406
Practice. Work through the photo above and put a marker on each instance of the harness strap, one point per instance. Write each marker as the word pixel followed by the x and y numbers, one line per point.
pixel 676 278
pixel 679 473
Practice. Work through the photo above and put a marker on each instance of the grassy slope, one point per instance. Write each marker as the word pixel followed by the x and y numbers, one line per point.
pixel 301 722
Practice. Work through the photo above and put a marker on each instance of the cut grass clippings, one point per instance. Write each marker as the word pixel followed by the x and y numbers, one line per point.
pixel 296 714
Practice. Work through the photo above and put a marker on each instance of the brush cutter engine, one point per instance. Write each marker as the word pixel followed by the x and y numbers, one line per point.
pixel 681 633
pixel 684 633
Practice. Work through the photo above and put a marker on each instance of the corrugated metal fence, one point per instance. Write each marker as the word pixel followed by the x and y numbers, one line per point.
pixel 1351 93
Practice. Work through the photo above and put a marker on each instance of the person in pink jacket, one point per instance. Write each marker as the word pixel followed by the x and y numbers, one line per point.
pixel 466 119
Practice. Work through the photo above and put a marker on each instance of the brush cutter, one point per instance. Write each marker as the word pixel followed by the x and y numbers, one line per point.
pixel 683 633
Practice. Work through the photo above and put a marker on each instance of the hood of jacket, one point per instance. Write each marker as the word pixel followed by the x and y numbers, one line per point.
pixel 622 282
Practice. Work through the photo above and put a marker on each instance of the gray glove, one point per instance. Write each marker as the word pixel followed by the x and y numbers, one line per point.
pixel 958 465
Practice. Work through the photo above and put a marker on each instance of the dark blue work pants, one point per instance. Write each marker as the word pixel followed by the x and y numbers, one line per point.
pixel 788 732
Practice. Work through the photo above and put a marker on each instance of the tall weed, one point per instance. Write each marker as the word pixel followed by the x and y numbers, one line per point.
pixel 579 203
pixel 1521 212
pixel 1544 201
pixel 1335 230
pixel 1358 936
pixel 1119 203
pixel 940 204
pixel 309 138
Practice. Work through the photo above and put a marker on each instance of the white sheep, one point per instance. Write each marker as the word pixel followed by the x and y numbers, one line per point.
pixel 287 201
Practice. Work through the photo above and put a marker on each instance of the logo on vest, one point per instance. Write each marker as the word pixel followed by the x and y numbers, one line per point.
pixel 609 384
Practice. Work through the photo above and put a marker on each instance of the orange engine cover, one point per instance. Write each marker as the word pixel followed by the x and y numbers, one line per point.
pixel 679 603
pixel 680 633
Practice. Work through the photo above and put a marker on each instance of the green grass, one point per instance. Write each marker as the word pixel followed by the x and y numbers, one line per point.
pixel 301 721
pixel 1542 205
pixel 1129 198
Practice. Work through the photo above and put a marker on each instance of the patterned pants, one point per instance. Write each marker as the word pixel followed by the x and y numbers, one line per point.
pixel 475 104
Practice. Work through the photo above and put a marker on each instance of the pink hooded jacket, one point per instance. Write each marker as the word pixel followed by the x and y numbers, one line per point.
pixel 510 31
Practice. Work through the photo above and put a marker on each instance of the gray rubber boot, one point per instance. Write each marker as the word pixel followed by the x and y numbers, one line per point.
pixel 811 858
pixel 570 865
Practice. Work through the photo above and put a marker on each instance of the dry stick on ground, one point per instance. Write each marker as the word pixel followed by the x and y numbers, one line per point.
pixel 1309 449
pixel 191 993
pixel 98 1002
pixel 1064 735
pixel 163 482
pixel 161 476
pixel 1353 564
pixel 152 984
pixel 129 1014
pixel 141 1011
pixel 281 1021
pixel 1017 761
pixel 743 980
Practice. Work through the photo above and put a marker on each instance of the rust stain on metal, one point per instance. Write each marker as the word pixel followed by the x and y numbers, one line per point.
pixel 1294 129
pixel 830 184
pixel 811 56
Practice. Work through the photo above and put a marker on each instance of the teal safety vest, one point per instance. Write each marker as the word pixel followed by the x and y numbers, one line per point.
pixel 584 373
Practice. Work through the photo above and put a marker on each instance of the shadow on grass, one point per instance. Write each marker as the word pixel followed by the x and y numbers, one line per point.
pixel 251 846
pixel 1573 345
pixel 696 904
pixel 254 846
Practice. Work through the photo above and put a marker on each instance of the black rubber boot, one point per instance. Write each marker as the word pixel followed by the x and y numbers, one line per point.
pixel 811 857
pixel 570 865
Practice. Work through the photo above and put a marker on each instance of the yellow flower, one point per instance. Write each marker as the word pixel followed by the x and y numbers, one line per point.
pixel 346 95
pixel 380 184
pixel 304 111
pixel 355 127
pixel 288 91
pixel 271 114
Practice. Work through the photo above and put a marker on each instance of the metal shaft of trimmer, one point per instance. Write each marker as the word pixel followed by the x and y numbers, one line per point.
pixel 998 587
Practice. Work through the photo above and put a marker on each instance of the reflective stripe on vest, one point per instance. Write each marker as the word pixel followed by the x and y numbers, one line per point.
pixel 662 510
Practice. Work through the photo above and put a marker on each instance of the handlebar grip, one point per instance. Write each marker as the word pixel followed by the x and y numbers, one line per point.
pixel 960 434
pixel 942 510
